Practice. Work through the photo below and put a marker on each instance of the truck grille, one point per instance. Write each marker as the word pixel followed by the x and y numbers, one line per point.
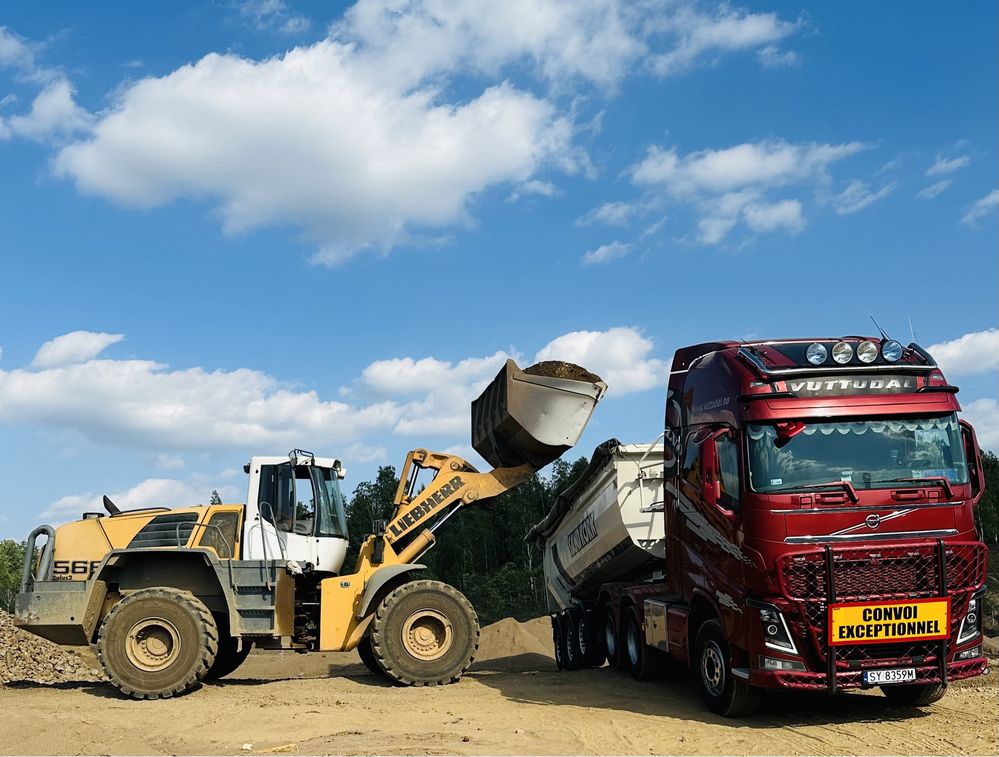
pixel 883 573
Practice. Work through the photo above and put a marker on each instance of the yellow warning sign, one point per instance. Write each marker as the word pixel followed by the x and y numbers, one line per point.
pixel 881 622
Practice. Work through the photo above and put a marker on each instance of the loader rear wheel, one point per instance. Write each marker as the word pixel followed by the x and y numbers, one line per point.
pixel 425 633
pixel 157 643
pixel 229 657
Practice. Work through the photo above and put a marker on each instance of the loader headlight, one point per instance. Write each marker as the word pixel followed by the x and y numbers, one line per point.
pixel 842 352
pixel 867 351
pixel 816 353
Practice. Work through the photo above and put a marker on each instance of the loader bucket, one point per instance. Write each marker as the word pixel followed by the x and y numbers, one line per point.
pixel 533 416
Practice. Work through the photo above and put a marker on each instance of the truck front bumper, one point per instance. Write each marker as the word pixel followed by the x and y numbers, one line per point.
pixel 853 679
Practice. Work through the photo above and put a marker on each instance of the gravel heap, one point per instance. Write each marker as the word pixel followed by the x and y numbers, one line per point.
pixel 26 657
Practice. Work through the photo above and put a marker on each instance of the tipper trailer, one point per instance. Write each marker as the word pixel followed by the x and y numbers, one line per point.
pixel 817 509
pixel 171 597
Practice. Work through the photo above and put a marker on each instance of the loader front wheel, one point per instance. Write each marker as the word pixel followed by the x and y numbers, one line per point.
pixel 157 643
pixel 425 633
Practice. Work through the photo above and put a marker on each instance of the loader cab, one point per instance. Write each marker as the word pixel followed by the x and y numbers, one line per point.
pixel 295 511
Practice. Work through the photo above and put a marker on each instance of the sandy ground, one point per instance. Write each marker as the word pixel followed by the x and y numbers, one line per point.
pixel 514 701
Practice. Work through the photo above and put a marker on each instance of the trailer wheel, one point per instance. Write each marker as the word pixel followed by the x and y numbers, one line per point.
pixel 157 643
pixel 721 691
pixel 614 658
pixel 557 642
pixel 644 662
pixel 573 654
pixel 424 633
pixel 917 695
pixel 367 656
pixel 229 657
pixel 595 654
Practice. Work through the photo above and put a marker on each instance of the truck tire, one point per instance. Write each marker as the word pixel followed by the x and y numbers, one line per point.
pixel 424 633
pixel 229 657
pixel 570 640
pixel 367 656
pixel 611 637
pixel 557 641
pixel 644 663
pixel 595 653
pixel 157 642
pixel 590 653
pixel 916 695
pixel 721 691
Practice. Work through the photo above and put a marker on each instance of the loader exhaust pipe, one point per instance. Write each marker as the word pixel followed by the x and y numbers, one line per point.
pixel 533 415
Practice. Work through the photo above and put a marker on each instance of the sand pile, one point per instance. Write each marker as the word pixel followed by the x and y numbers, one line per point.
pixel 509 638
pixel 558 369
pixel 26 657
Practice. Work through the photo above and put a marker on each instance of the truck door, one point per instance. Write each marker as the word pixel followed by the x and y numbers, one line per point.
pixel 283 526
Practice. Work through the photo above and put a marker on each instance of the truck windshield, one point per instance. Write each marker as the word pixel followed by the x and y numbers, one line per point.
pixel 869 454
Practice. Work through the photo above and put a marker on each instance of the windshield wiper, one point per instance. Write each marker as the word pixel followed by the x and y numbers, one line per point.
pixel 934 480
pixel 845 485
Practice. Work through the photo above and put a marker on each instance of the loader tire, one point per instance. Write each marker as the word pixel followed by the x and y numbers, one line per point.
pixel 157 643
pixel 229 657
pixel 424 633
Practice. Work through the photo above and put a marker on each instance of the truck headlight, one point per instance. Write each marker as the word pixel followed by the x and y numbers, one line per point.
pixel 816 353
pixel 842 352
pixel 867 351
pixel 776 663
pixel 971 625
pixel 969 654
pixel 775 632
pixel 891 351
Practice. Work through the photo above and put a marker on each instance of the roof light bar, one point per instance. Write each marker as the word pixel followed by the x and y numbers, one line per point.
pixel 842 352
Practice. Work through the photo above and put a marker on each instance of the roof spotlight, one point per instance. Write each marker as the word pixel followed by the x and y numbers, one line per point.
pixel 891 351
pixel 842 352
pixel 867 351
pixel 816 353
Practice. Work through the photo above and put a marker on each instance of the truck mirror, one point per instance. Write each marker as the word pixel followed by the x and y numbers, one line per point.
pixel 974 455
pixel 710 471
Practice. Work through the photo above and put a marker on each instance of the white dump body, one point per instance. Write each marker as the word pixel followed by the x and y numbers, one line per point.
pixel 608 526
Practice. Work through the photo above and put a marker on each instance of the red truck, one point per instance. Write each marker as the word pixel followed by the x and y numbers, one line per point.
pixel 808 525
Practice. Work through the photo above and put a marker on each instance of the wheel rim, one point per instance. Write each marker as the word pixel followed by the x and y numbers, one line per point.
pixel 570 649
pixel 427 634
pixel 581 636
pixel 713 668
pixel 610 639
pixel 632 645
pixel 153 644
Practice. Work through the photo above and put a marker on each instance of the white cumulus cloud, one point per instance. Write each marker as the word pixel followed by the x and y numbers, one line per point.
pixel 858 196
pixel 74 347
pixel 983 414
pixel 606 253
pixel 621 356
pixel 975 352
pixel 944 165
pixel 981 208
pixel 928 193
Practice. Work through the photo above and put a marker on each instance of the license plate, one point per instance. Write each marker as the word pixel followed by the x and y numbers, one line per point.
pixel 894 675
pixel 886 622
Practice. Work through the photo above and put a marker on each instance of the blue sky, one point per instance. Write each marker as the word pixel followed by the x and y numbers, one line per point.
pixel 239 227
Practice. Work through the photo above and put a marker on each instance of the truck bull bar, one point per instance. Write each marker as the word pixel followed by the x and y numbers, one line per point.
pixel 812 581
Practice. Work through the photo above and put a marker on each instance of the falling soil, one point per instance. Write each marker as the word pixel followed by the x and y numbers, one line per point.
pixel 560 370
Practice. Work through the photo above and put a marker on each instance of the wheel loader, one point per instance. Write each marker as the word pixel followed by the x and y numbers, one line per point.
pixel 172 597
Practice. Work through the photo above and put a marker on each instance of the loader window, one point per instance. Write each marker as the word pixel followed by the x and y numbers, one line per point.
pixel 332 518
pixel 277 489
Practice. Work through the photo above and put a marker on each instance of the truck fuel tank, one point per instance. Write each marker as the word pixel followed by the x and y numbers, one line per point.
pixel 533 415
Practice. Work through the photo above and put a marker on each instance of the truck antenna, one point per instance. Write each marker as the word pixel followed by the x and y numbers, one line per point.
pixel 883 334
pixel 912 332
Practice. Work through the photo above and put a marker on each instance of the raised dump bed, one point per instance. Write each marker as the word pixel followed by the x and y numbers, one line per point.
pixel 607 526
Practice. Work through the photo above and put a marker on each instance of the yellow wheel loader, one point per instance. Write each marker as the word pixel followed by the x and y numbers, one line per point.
pixel 171 597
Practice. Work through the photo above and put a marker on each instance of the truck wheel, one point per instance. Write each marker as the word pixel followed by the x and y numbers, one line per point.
pixel 424 633
pixel 228 658
pixel 367 656
pixel 157 643
pixel 644 662
pixel 584 641
pixel 557 641
pixel 614 657
pixel 917 695
pixel 721 691
pixel 570 634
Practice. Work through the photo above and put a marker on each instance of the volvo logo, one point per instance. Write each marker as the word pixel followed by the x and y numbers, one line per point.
pixel 873 520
